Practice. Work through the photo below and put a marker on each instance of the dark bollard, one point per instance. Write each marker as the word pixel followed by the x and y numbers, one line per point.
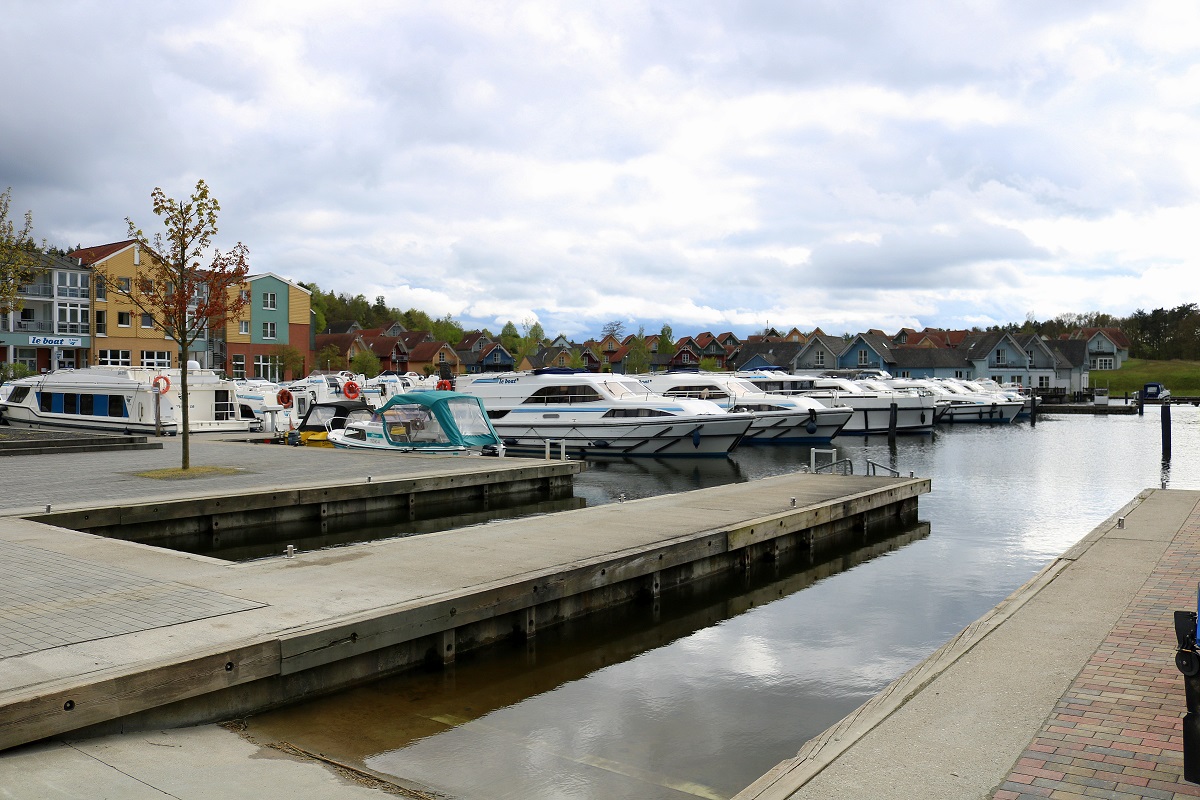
pixel 1166 430
pixel 1187 661
pixel 1141 405
pixel 1033 408
pixel 892 414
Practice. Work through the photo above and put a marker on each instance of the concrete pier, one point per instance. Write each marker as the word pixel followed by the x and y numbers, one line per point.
pixel 100 635
pixel 1067 690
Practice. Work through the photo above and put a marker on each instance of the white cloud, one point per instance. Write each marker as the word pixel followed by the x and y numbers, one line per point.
pixel 849 165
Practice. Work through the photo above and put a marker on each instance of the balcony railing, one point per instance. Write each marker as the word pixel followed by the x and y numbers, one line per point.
pixel 36 290
pixel 41 326
pixel 74 291
pixel 73 327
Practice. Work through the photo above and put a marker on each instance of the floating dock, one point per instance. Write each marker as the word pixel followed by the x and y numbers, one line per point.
pixel 101 635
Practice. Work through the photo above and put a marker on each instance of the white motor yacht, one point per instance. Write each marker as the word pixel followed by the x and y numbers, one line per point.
pixel 960 404
pixel 778 419
pixel 600 415
pixel 871 403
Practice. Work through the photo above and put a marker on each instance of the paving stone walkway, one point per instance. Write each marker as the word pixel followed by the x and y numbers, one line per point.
pixel 1116 732
pixel 48 599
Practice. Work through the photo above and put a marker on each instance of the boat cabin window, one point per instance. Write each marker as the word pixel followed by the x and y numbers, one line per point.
pixel 581 393
pixel 84 405
pixel 637 412
pixel 19 394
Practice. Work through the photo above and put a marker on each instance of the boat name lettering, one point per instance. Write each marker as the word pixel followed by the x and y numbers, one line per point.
pixel 509 380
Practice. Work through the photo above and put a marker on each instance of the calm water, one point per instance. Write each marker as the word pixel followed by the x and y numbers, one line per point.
pixel 701 695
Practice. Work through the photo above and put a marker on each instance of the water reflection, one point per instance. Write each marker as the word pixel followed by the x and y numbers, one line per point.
pixel 596 708
pixel 701 701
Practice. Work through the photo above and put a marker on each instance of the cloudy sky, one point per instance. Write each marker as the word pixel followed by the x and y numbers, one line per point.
pixel 712 165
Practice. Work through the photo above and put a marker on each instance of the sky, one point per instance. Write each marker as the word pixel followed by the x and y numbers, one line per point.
pixel 720 166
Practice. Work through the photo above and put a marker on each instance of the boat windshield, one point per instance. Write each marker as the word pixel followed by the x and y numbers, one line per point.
pixel 469 417
pixel 412 423
pixel 742 386
pixel 626 389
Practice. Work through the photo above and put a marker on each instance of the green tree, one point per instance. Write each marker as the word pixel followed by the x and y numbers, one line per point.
pixel 510 337
pixel 184 291
pixel 530 341
pixel 330 358
pixel 319 305
pixel 446 330
pixel 576 359
pixel 666 341
pixel 291 359
pixel 20 256
pixel 366 363
pixel 708 364
pixel 637 358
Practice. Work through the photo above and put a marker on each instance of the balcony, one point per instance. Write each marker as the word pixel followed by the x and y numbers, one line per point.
pixel 36 290
pixel 73 327
pixel 34 325
pixel 74 291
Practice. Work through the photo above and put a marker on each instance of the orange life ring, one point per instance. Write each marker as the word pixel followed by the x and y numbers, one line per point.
pixel 285 398
pixel 166 382
pixel 443 385
pixel 350 390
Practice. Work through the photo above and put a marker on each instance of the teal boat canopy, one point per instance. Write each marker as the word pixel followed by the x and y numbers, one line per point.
pixel 436 419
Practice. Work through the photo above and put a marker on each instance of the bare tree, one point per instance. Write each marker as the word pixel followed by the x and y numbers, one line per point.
pixel 20 255
pixel 186 296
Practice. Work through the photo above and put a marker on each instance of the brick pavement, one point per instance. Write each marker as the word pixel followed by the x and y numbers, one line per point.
pixel 1116 732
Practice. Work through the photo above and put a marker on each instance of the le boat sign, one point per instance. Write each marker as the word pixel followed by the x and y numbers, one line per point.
pixel 57 341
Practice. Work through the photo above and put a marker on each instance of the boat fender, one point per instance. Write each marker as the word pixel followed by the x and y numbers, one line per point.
pixel 350 390
pixel 166 384
pixel 992 412
pixel 284 398
pixel 922 417
pixel 811 427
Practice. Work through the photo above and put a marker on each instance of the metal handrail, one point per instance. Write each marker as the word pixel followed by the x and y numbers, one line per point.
pixel 874 466
pixel 845 463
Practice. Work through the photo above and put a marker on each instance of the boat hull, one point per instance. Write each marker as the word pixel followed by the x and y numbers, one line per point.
pixel 982 412
pixel 654 437
pixel 797 427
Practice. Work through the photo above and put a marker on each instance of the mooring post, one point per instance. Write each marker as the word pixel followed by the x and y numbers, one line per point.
pixel 1166 430
pixel 1141 404
pixel 1033 406
pixel 892 414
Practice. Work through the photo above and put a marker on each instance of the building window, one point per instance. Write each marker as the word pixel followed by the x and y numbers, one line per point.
pixel 958 373
pixel 101 288
pixel 147 321
pixel 1103 363
pixel 269 300
pixel 239 367
pixel 819 359
pixel 441 356
pixel 124 284
pixel 114 358
pixel 124 319
pixel 73 284
pixel 245 293
pixel 1016 379
pixel 905 373
pixel 862 358
pixel 1001 356
pixel 1043 381
pixel 156 359
pixel 27 356
pixel 73 318
pixel 268 368
pixel 268 330
pixel 101 323
pixel 244 327
pixel 496 357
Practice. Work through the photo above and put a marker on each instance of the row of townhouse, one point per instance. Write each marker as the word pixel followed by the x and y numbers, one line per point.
pixel 69 318
pixel 1062 364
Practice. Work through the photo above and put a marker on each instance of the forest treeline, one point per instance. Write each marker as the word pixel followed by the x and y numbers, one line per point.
pixel 1161 334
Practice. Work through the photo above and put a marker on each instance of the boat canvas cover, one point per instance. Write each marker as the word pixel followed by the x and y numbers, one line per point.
pixel 322 417
pixel 436 419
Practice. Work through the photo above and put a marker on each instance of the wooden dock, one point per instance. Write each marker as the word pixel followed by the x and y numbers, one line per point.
pixel 112 635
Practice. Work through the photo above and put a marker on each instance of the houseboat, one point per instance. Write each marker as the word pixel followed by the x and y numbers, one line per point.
pixel 601 415
pixel 871 404
pixel 126 399
pixel 778 419
pixel 958 404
